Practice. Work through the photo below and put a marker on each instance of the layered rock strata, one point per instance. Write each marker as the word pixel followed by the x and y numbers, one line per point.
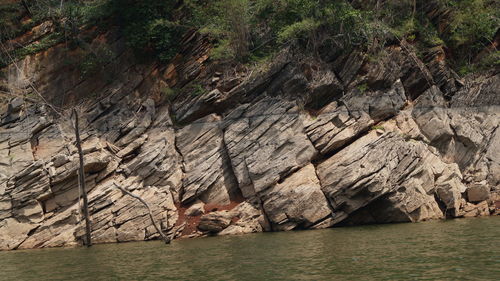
pixel 298 146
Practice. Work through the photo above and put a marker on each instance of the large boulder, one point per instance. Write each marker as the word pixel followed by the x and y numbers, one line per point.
pixel 215 222
pixel 478 193
pixel 246 217
pixel 401 173
pixel 297 202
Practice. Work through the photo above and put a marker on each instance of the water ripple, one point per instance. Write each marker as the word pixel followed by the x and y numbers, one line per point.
pixel 466 249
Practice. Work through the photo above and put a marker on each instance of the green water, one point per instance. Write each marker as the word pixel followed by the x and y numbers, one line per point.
pixel 464 249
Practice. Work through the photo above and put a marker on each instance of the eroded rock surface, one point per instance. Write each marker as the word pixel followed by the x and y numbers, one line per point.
pixel 266 141
pixel 297 202
pixel 301 145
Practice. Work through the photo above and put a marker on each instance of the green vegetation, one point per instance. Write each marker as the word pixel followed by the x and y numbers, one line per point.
pixel 68 17
pixel 10 18
pixel 253 30
pixel 465 27
pixel 363 88
pixel 249 30
pixel 42 44
pixel 169 93
pixel 472 25
pixel 196 89
pixel 96 60
pixel 148 26
pixel 377 127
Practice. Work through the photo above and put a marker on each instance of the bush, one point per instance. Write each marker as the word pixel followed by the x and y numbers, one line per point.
pixel 246 29
pixel 10 21
pixel 148 26
pixel 226 21
pixel 473 25
pixel 169 93
pixel 298 30
pixel 95 60
pixel 250 30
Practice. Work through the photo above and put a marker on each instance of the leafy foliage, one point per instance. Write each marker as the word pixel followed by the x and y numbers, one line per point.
pixel 472 27
pixel 252 30
pixel 94 61
pixel 148 26
pixel 246 29
pixel 10 17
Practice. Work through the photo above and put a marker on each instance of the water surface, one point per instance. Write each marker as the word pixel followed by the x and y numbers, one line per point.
pixel 462 249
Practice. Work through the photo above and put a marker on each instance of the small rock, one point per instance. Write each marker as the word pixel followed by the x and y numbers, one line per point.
pixel 16 104
pixel 215 222
pixel 478 193
pixel 481 209
pixel 196 209
pixel 60 160
pixel 52 172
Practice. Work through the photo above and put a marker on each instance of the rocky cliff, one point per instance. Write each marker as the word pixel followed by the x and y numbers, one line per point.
pixel 303 143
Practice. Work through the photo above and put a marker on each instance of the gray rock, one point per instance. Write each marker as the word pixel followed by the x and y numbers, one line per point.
pixel 387 165
pixel 215 222
pixel 59 160
pixel 478 192
pixel 133 146
pixel 335 126
pixel 208 172
pixel 379 104
pixel 481 91
pixel 297 202
pixel 247 217
pixel 195 210
pixel 193 109
pixel 266 142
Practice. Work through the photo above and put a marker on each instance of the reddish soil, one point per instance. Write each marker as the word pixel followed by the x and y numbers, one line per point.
pixel 191 222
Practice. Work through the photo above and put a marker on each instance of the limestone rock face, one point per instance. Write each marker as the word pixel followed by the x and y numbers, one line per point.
pixel 265 142
pixel 297 202
pixel 479 92
pixel 39 188
pixel 208 173
pixel 464 134
pixel 304 143
pixel 343 121
pixel 336 127
pixel 388 169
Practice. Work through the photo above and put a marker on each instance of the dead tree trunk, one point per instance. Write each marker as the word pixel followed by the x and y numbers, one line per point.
pixel 164 237
pixel 81 180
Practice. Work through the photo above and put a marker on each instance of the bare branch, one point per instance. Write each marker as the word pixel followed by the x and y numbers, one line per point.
pixel 165 238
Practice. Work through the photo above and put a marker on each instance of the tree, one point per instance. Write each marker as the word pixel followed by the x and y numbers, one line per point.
pixel 61 114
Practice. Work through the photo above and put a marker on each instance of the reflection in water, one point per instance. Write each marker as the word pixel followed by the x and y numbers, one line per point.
pixel 466 249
